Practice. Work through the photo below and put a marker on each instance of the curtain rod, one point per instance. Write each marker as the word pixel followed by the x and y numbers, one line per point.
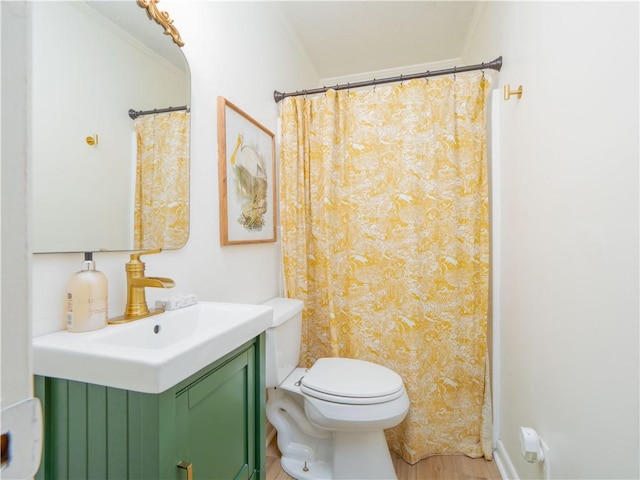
pixel 133 114
pixel 493 65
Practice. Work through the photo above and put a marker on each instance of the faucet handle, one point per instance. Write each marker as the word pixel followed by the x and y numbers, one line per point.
pixel 135 257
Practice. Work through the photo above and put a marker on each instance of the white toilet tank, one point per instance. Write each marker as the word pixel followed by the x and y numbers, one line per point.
pixel 283 339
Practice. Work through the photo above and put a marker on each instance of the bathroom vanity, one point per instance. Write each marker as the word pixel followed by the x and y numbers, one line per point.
pixel 211 423
pixel 179 395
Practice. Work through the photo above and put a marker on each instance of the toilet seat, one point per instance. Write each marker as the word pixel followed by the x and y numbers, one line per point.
pixel 351 381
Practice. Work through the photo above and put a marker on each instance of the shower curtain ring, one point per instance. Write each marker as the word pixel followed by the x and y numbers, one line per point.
pixel 401 80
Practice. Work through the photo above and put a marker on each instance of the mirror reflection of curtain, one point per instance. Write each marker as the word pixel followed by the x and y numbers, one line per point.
pixel 162 180
pixel 384 211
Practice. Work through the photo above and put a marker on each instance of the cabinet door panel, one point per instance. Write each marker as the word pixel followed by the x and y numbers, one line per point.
pixel 216 422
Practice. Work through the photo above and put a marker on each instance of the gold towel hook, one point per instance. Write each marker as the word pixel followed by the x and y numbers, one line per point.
pixel 508 92
pixel 92 140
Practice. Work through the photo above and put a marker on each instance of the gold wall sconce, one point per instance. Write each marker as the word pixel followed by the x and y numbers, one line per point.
pixel 92 140
pixel 508 92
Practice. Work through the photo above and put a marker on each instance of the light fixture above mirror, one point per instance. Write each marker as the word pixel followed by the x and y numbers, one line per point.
pixel 108 57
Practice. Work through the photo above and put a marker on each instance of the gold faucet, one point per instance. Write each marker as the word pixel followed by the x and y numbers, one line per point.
pixel 136 283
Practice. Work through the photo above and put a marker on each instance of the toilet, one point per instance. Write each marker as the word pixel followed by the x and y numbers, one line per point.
pixel 330 418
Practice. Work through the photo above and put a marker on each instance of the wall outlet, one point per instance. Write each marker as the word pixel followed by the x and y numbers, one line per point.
pixel 21 439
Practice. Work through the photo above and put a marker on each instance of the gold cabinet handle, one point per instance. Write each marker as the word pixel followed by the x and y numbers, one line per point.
pixel 188 467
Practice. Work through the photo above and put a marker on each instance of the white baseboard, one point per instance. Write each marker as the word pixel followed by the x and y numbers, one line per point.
pixel 503 462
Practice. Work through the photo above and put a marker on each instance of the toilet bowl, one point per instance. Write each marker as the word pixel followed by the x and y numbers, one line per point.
pixel 330 418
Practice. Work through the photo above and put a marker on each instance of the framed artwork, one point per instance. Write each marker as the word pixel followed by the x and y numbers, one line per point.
pixel 246 177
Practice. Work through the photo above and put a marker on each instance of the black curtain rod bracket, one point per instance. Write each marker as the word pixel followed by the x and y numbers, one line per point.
pixel 493 65
pixel 133 114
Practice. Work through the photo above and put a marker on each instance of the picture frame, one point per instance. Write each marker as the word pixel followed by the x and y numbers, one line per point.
pixel 246 177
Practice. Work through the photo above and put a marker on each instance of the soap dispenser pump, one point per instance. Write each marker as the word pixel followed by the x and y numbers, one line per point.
pixel 86 298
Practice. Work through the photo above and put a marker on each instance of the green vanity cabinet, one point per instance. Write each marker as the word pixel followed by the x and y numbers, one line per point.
pixel 214 421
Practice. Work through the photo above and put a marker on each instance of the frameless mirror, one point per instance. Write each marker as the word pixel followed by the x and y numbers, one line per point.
pixel 101 179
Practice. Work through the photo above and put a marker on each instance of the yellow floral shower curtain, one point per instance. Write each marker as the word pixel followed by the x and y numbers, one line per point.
pixel 384 214
pixel 162 180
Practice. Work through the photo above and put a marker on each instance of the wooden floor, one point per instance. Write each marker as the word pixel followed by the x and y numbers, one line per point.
pixel 444 467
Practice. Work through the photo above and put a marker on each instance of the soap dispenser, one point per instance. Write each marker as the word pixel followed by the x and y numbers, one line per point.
pixel 86 298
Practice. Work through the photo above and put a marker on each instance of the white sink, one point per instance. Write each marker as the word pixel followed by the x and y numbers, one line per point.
pixel 152 354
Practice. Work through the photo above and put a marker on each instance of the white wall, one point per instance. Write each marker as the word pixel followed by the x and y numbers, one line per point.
pixel 569 233
pixel 15 327
pixel 241 51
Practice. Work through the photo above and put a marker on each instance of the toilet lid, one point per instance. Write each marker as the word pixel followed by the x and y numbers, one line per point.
pixel 347 380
